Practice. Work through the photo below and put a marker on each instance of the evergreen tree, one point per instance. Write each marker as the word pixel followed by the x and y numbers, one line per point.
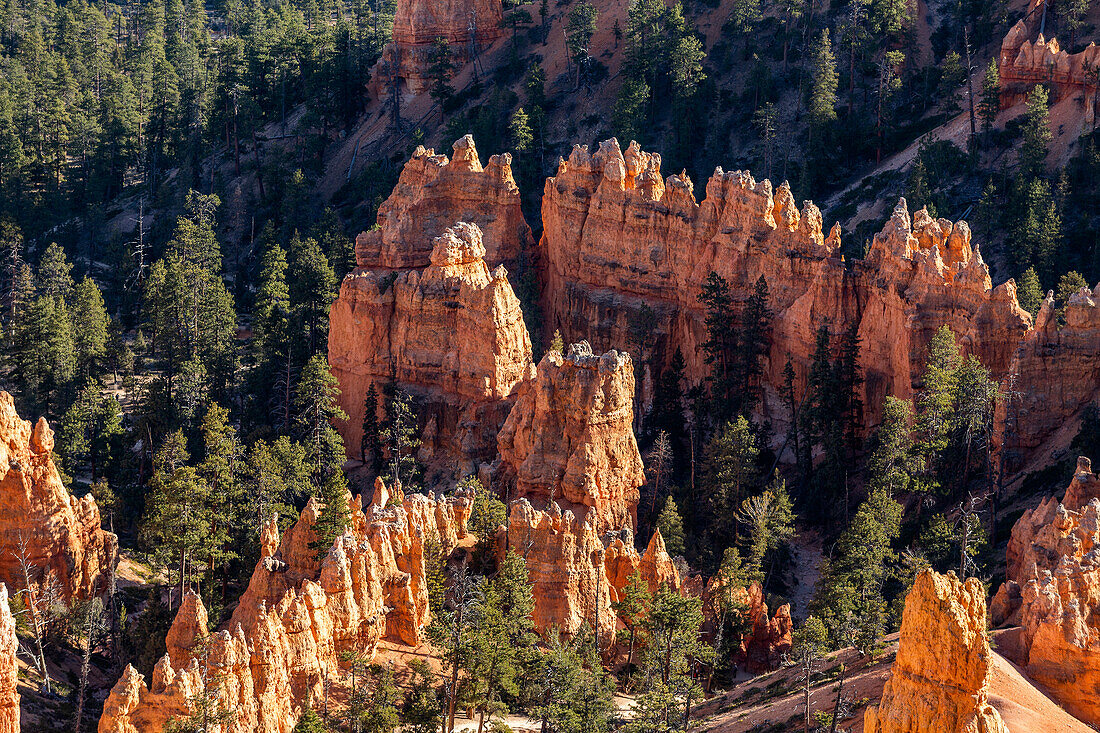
pixel 90 325
pixel 312 290
pixel 1030 292
pixel 824 82
pixel 315 410
pixel 55 279
pixel 371 441
pixel 631 608
pixel 729 475
pixel 770 520
pixel 487 515
pixel 1037 136
pixel 990 103
pixel 671 527
pixel 401 438
pixel 441 67
pixel 579 29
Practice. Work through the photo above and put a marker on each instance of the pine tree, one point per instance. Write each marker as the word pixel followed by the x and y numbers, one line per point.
pixel 579 29
pixel 315 410
pixel 1030 292
pixel 1036 134
pixel 371 441
pixel 401 438
pixel 312 289
pixel 55 278
pixel 990 103
pixel 487 515
pixel 90 325
pixel 631 608
pixel 441 67
pixel 729 475
pixel 824 82
pixel 671 527
pixel 771 523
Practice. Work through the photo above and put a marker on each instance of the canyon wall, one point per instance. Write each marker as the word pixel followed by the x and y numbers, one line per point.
pixel 451 334
pixel 296 617
pixel 468 26
pixel 625 253
pixel 59 536
pixel 569 439
pixel 1053 594
pixel 1022 64
pixel 1053 376
pixel 940 678
pixel 9 667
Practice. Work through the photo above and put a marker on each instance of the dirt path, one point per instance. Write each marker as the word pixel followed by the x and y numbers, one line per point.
pixel 806 555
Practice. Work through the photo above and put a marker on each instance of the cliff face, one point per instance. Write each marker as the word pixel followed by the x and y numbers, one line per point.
pixel 1053 593
pixel 940 678
pixel 452 334
pixel 465 24
pixel 1054 374
pixel 295 618
pixel 570 437
pixel 432 193
pixel 575 574
pixel 9 667
pixel 65 543
pixel 626 252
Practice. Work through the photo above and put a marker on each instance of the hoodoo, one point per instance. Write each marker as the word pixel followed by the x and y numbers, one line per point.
pixel 58 537
pixel 940 679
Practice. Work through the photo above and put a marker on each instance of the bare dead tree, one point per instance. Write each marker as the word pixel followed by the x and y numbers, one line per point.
pixel 26 566
pixel 93 627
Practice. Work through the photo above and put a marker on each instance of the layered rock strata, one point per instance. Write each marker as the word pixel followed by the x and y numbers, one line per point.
pixel 1053 376
pixel 432 193
pixel 451 334
pixel 570 439
pixel 1023 63
pixel 1053 594
pixel 59 537
pixel 626 251
pixel 468 26
pixel 9 667
pixel 576 575
pixel 939 680
pixel 298 614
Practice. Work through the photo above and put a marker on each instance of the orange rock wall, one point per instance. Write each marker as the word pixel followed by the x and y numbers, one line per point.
pixel 1053 593
pixel 9 667
pixel 570 437
pixel 295 618
pixel 452 334
pixel 66 544
pixel 416 25
pixel 619 239
pixel 940 677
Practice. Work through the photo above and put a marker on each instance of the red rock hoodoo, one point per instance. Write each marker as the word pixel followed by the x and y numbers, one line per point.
pixel 432 194
pixel 621 246
pixel 1023 63
pixel 575 574
pixel 1053 593
pixel 295 618
pixel 452 334
pixel 768 637
pixel 65 543
pixel 569 439
pixel 940 678
pixel 9 667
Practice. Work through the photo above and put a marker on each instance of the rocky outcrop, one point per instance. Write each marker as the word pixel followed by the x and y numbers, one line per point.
pixel 432 193
pixel 468 26
pixel 626 251
pixel 940 677
pixel 1053 593
pixel 1022 64
pixel 766 637
pixel 451 334
pixel 296 617
pixel 570 437
pixel 9 667
pixel 575 574
pixel 1054 375
pixel 65 544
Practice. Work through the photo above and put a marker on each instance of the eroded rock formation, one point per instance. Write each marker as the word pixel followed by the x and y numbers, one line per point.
pixel 624 248
pixel 452 334
pixel 1023 63
pixel 297 615
pixel 940 677
pixel 570 438
pixel 1053 376
pixel 1053 593
pixel 468 26
pixel 9 667
pixel 576 575
pixel 432 193
pixel 65 544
